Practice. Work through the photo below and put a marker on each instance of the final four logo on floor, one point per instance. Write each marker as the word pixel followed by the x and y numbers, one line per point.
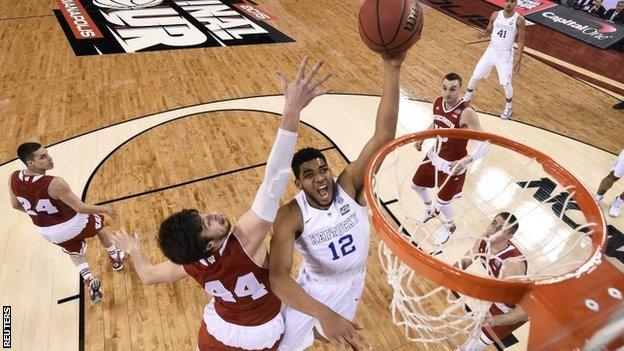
pixel 98 27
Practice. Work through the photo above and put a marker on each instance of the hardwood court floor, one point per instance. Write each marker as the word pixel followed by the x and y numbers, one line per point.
pixel 48 94
pixel 51 94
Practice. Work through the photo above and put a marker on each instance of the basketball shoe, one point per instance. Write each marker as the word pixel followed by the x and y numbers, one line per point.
pixel 94 285
pixel 616 207
pixel 507 113
pixel 117 260
pixel 429 214
pixel 443 233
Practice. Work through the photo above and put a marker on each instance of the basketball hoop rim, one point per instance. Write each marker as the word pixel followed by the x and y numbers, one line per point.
pixel 441 273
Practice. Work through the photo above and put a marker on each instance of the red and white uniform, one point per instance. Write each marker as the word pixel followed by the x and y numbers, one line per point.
pixel 244 313
pixel 56 221
pixel 441 155
pixel 493 267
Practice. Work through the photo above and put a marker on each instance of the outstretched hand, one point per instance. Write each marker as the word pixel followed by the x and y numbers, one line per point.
pixel 304 88
pixel 125 242
pixel 342 334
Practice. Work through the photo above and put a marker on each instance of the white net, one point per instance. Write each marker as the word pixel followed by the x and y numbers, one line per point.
pixel 553 238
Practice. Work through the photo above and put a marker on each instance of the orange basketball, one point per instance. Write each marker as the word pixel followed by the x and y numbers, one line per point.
pixel 390 26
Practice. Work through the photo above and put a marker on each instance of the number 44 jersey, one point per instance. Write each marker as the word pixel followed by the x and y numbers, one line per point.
pixel 241 288
pixel 334 242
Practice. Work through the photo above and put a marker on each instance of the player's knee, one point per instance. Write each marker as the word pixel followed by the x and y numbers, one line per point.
pixel 612 177
pixel 508 89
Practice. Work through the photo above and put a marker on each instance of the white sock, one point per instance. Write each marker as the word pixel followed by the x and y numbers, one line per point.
pixel 424 195
pixel 508 104
pixel 447 211
pixel 112 250
pixel 85 271
pixel 468 95
pixel 472 84
pixel 599 197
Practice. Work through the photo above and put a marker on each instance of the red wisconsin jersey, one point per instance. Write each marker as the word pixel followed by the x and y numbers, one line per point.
pixel 32 194
pixel 451 149
pixel 493 264
pixel 240 287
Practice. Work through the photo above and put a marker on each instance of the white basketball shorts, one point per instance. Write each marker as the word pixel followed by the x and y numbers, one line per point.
pixel 342 296
pixel 502 60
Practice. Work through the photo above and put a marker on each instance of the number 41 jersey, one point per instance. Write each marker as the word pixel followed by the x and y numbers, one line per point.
pixel 334 242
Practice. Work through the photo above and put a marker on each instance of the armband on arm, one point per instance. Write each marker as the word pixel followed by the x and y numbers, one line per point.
pixel 276 176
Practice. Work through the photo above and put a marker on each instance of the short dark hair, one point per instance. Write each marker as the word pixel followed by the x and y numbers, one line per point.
pixel 453 76
pixel 304 155
pixel 179 237
pixel 509 219
pixel 26 151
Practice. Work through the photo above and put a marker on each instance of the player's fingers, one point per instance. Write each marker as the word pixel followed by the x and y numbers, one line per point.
pixel 281 79
pixel 337 344
pixel 362 342
pixel 320 81
pixel 356 326
pixel 302 66
pixel 315 69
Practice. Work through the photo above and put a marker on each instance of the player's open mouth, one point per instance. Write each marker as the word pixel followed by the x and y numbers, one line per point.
pixel 323 191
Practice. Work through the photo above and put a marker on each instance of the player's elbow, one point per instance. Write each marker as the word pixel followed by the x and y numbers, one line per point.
pixel 148 279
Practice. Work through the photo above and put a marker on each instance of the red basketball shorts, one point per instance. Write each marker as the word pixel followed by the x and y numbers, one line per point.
pixel 77 246
pixel 425 176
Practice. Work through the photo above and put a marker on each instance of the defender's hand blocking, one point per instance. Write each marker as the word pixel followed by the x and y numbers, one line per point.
pixel 303 89
pixel 125 242
pixel 342 333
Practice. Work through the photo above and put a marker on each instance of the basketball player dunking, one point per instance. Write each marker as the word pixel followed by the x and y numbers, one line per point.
pixel 503 27
pixel 231 265
pixel 449 159
pixel 328 223
pixel 501 259
pixel 60 215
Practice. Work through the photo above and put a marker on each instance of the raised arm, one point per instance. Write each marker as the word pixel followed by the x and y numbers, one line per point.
pixel 150 274
pixel 256 223
pixel 521 24
pixel 59 189
pixel 287 225
pixel 352 178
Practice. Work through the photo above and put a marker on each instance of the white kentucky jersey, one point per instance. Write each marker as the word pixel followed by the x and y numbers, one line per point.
pixel 334 242
pixel 504 31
